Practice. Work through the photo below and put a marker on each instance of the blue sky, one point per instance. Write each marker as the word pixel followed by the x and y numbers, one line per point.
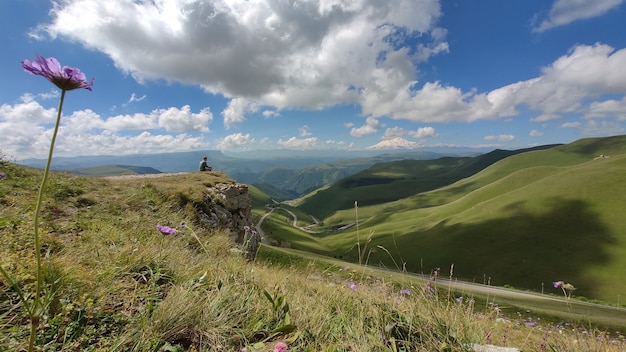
pixel 236 75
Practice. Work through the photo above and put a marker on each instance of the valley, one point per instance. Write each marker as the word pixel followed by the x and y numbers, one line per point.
pixel 523 220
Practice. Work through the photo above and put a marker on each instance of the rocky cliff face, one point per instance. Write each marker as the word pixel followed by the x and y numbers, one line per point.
pixel 228 207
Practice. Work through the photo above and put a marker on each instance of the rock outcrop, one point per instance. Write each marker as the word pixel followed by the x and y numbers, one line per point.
pixel 228 207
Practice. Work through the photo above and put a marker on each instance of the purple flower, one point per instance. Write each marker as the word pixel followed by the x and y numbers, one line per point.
pixel 66 78
pixel 557 284
pixel 406 292
pixel 253 232
pixel 352 286
pixel 247 228
pixel 3 175
pixel 280 347
pixel 459 300
pixel 166 230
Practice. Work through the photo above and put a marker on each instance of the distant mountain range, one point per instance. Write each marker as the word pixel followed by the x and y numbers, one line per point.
pixel 283 174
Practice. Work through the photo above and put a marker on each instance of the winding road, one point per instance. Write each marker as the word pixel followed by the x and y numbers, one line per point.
pixel 586 311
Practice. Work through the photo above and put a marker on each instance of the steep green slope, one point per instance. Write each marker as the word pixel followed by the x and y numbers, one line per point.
pixel 298 181
pixel 527 220
pixel 386 182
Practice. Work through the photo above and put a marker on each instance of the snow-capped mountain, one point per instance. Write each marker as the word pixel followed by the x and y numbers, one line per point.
pixel 394 143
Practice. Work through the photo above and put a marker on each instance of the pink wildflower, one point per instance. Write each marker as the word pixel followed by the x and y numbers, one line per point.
pixel 280 347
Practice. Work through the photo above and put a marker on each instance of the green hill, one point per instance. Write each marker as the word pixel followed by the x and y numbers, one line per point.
pixel 526 220
pixel 294 182
pixel 112 281
pixel 390 181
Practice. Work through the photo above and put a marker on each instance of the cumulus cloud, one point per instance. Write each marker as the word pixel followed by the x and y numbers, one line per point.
pixel 500 138
pixel 26 128
pixel 535 133
pixel 393 132
pixel 310 54
pixel 564 12
pixel 234 141
pixel 422 132
pixel 296 143
pixel 274 55
pixel 585 73
pixel 111 143
pixel 236 110
pixel 371 125
pixel 182 120
pixel 27 111
pixel 607 109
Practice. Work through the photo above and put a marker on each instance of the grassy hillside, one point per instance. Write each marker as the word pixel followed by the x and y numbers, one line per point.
pixel 525 221
pixel 390 181
pixel 113 282
pixel 297 181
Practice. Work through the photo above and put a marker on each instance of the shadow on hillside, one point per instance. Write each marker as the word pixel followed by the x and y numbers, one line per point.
pixel 521 249
pixel 443 196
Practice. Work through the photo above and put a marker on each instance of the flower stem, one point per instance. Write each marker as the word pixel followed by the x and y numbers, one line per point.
pixel 37 306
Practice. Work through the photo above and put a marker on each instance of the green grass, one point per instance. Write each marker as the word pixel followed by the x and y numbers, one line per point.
pixel 386 182
pixel 531 218
pixel 115 283
pixel 553 214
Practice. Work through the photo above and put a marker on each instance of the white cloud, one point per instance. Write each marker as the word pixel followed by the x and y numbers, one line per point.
pixel 393 132
pixel 27 111
pixel 564 12
pixel 110 143
pixel 26 129
pixel 309 54
pixel 500 138
pixel 234 141
pixel 134 98
pixel 313 54
pixel 585 73
pixel 183 120
pixel 304 131
pixel 422 132
pixel 296 143
pixel 607 109
pixel 571 125
pixel 372 125
pixel 535 133
pixel 129 122
pixel 270 113
pixel 235 111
